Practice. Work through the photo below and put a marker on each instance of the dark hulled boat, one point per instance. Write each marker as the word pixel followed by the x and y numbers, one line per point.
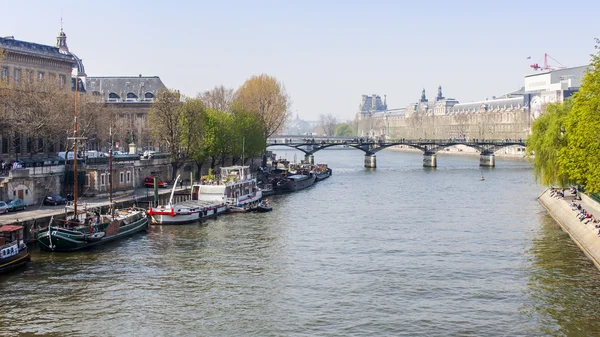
pixel 322 172
pixel 294 183
pixel 13 250
pixel 71 235
pixel 86 229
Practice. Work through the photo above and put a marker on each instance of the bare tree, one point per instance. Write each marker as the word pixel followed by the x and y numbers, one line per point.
pixel 219 98
pixel 327 123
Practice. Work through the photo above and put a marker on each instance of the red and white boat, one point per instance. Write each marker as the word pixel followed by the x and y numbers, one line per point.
pixel 235 190
pixel 193 210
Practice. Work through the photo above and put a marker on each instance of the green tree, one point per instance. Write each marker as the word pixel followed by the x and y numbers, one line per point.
pixel 248 135
pixel 217 135
pixel 192 131
pixel 580 159
pixel 343 129
pixel 546 142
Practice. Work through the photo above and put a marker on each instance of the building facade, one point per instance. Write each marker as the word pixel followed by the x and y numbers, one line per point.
pixel 129 98
pixel 28 61
pixel 509 116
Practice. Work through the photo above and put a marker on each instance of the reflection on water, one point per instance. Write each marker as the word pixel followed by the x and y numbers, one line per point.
pixel 564 285
pixel 394 251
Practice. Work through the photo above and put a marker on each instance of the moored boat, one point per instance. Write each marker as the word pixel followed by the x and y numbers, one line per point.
pixel 321 172
pixel 295 182
pixel 74 234
pixel 189 211
pixel 236 188
pixel 89 227
pixel 13 250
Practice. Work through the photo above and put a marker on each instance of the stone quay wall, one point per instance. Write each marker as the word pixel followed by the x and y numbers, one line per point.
pixel 583 235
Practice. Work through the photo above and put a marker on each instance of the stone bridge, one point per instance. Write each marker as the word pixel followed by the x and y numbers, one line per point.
pixel 430 147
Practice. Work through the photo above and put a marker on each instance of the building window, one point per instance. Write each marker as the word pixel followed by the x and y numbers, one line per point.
pixel 28 145
pixel 40 144
pixel 4 145
pixel 121 178
pixel 128 177
pixel 113 97
pixel 17 75
pixel 87 180
pixel 51 146
pixel 29 74
pixel 149 96
pixel 131 96
pixel 40 75
pixel 4 74
pixel 62 80
pixel 102 179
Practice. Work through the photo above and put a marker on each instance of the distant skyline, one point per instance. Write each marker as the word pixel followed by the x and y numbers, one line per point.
pixel 327 53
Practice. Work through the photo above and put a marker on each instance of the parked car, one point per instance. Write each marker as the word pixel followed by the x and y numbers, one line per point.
pixel 15 205
pixel 54 200
pixel 149 182
pixel 3 207
pixel 148 154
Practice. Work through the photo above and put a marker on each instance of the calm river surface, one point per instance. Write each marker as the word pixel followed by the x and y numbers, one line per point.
pixel 399 250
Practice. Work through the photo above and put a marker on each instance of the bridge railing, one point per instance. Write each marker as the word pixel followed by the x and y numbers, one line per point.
pixel 358 140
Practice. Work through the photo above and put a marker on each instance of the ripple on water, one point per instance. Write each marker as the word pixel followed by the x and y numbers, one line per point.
pixel 395 251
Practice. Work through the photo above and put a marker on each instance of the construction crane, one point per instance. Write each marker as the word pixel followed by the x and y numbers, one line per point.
pixel 536 66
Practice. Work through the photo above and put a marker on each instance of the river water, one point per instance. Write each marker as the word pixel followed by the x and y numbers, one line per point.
pixel 400 250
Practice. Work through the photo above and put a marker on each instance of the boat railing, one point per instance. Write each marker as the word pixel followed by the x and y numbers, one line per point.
pixel 8 245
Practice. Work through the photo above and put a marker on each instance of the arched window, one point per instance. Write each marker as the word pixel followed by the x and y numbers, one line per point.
pixel 149 96
pixel 131 96
pixel 113 97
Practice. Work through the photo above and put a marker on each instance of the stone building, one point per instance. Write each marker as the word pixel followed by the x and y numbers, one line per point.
pixel 129 98
pixel 508 116
pixel 28 61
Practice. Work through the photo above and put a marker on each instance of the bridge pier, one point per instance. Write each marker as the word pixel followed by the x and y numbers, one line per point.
pixel 429 159
pixel 487 159
pixel 370 161
pixel 310 159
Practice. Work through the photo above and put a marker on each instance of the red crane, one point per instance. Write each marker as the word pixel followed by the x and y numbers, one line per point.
pixel 536 66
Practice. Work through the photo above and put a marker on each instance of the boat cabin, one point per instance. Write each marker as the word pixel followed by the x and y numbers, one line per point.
pixel 11 239
pixel 235 182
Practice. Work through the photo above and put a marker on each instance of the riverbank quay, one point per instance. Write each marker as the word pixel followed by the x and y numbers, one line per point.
pixel 39 216
pixel 584 235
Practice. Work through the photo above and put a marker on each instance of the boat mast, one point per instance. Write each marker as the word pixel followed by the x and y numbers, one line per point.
pixel 75 136
pixel 110 173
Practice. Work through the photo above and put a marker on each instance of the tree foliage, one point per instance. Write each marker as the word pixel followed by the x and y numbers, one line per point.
pixel 580 158
pixel 343 129
pixel 565 138
pixel 265 96
pixel 545 142
pixel 247 135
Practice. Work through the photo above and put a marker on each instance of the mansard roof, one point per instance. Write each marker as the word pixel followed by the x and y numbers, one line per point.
pixel 494 104
pixel 123 85
pixel 18 46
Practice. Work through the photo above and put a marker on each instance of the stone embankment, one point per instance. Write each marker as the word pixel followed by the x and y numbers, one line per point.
pixel 39 216
pixel 584 235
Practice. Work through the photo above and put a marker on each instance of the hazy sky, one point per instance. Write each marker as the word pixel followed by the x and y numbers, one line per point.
pixel 327 53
